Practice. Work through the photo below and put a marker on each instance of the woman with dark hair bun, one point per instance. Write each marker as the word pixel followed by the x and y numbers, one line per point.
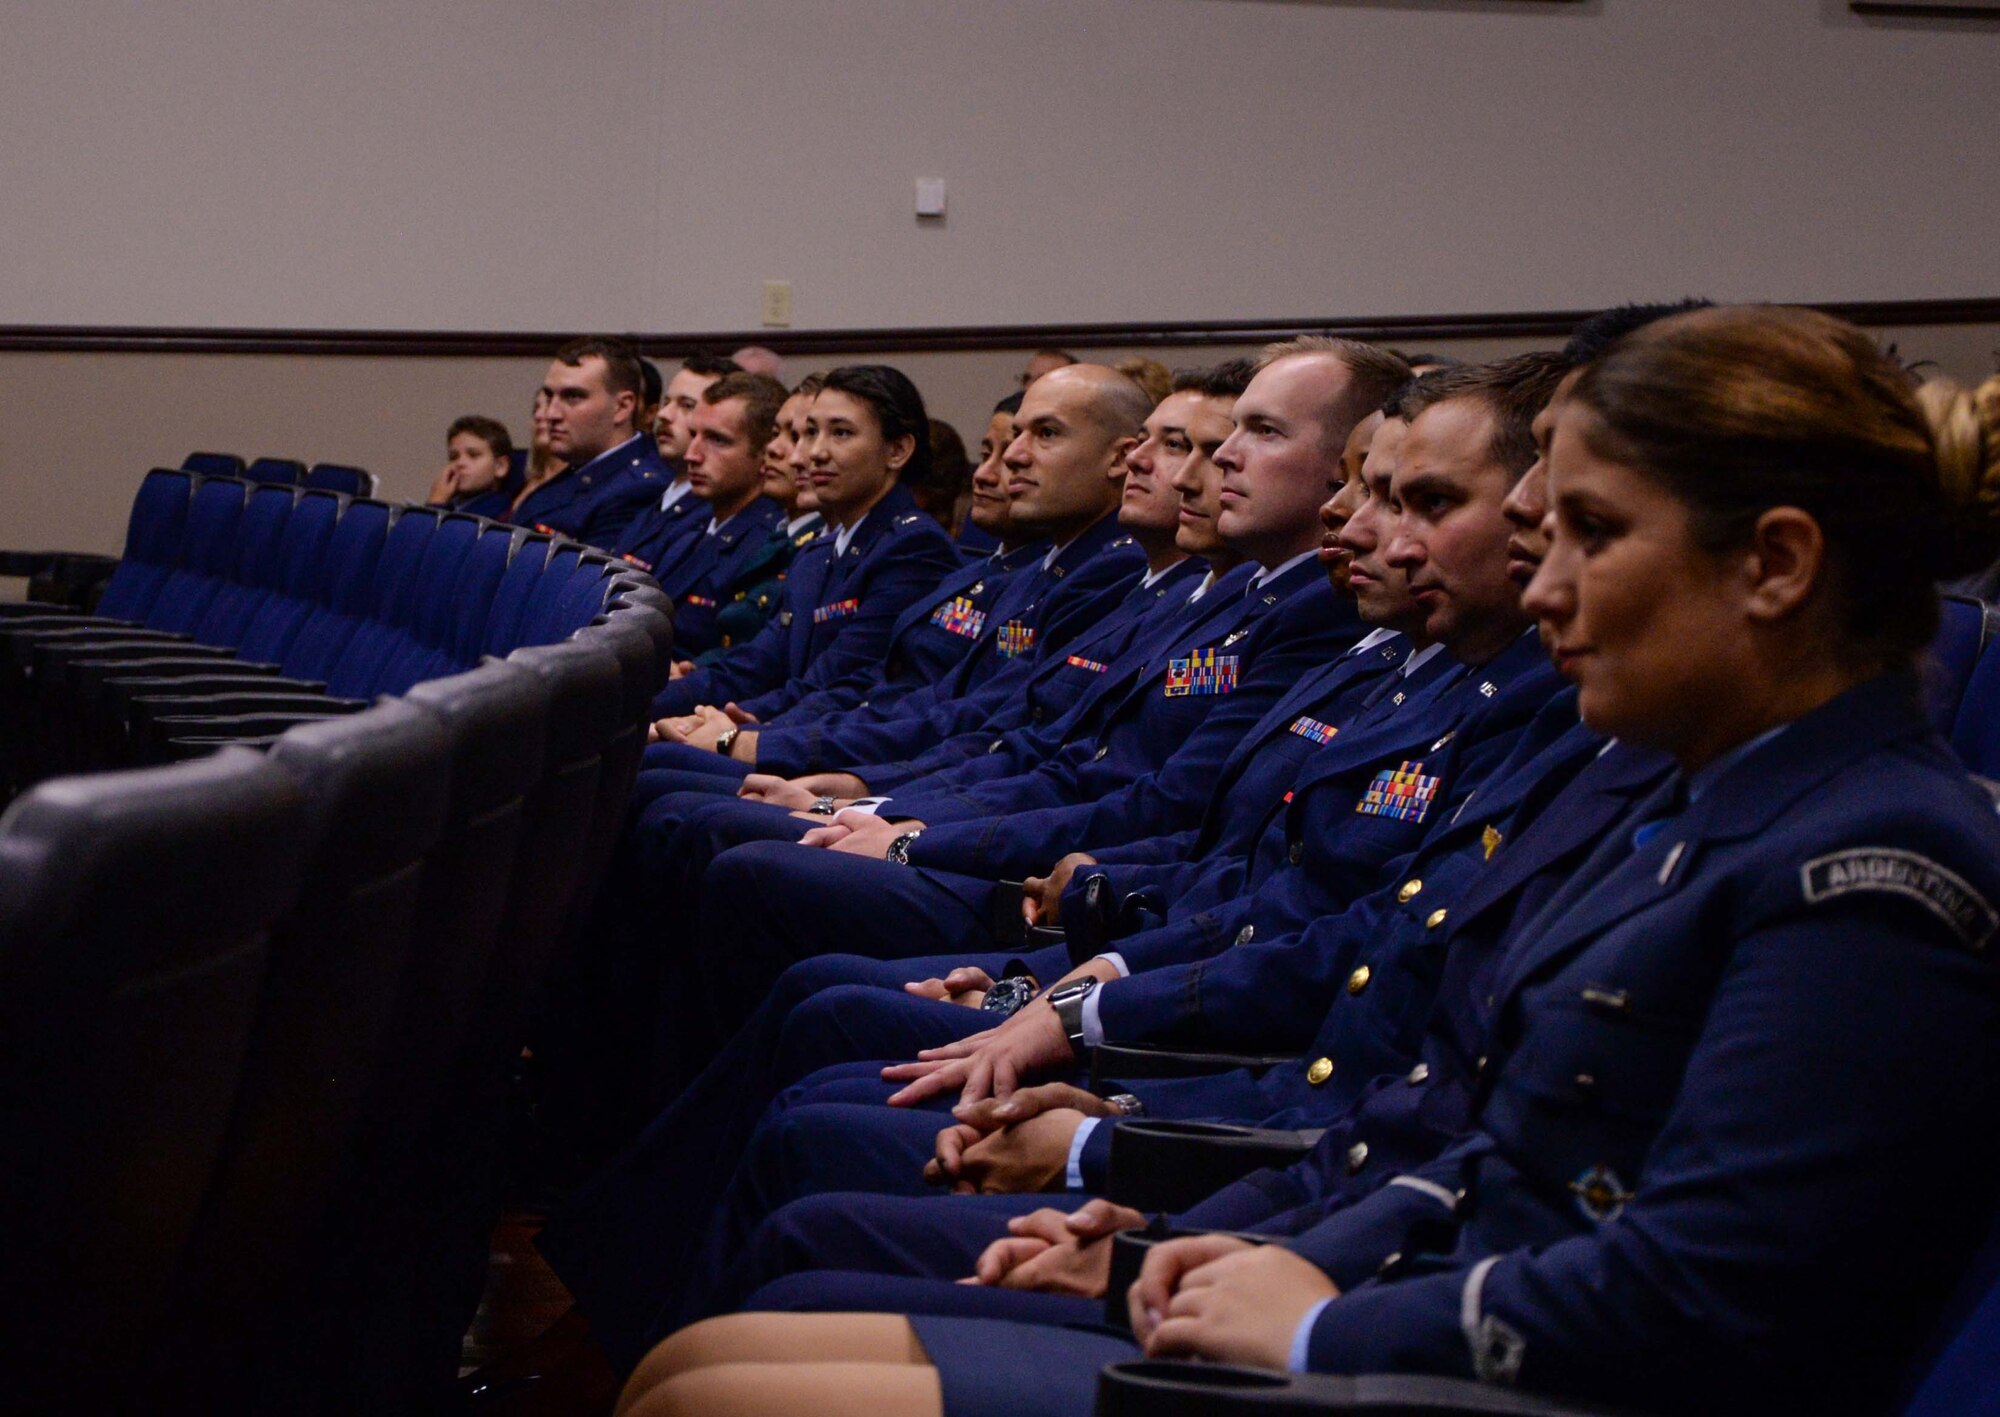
pixel 864 431
pixel 1732 1140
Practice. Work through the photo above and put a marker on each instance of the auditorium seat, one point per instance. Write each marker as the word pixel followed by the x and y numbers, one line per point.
pixel 410 1213
pixel 288 472
pixel 1975 732
pixel 213 464
pixel 1964 626
pixel 153 535
pixel 380 782
pixel 338 477
pixel 135 917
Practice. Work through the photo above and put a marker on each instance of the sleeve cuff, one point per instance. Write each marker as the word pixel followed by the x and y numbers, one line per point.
pixel 1073 1170
pixel 870 805
pixel 1117 962
pixel 1302 1336
pixel 1093 1028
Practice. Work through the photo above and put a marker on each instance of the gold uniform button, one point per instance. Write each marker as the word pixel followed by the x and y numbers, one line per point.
pixel 1420 1073
pixel 1320 1070
pixel 1436 919
pixel 1297 853
pixel 1246 934
pixel 1409 891
pixel 1358 980
pixel 1357 1157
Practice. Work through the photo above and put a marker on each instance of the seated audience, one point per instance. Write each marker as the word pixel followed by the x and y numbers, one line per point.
pixel 733 425
pixel 610 468
pixel 845 593
pixel 660 524
pixel 783 479
pixel 759 360
pixel 1714 1048
pixel 477 475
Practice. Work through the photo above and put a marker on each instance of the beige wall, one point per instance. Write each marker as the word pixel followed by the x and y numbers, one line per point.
pixel 646 164
pixel 84 427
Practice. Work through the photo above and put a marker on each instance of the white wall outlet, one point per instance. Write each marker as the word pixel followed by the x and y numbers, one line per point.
pixel 930 198
pixel 777 302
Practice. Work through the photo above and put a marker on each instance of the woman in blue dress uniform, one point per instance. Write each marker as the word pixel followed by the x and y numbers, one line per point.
pixel 1731 1142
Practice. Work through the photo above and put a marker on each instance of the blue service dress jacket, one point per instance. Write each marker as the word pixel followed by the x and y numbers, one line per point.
pixel 1735 1108
pixel 972 628
pixel 739 621
pixel 706 570
pixel 1219 766
pixel 837 613
pixel 1039 686
pixel 658 526
pixel 593 503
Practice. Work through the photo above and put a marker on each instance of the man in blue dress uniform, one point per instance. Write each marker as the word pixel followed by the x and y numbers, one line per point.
pixel 701 573
pixel 610 468
pixel 657 525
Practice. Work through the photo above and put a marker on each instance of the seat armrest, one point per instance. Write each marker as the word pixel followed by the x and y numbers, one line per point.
pixel 1113 1061
pixel 1128 1253
pixel 1158 1164
pixel 1164 1388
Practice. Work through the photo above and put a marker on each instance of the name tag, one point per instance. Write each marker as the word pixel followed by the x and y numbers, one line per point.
pixel 1404 794
pixel 839 610
pixel 1312 730
pixel 1014 639
pixel 1077 661
pixel 960 617
pixel 1203 672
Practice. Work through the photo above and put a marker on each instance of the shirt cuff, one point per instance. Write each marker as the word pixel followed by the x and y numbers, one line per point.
pixel 1302 1337
pixel 1093 1029
pixel 1073 1171
pixel 870 805
pixel 1117 962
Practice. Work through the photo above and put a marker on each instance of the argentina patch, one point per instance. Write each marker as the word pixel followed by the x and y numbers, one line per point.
pixel 1885 869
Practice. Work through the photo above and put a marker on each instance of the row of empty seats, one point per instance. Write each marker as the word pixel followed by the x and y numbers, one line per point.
pixel 260 1008
pixel 328 476
pixel 238 601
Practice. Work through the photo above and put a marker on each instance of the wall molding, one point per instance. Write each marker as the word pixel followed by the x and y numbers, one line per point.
pixel 1392 329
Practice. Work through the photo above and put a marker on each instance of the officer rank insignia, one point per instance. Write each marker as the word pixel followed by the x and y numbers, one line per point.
pixel 1490 839
pixel 1312 730
pixel 1014 639
pixel 1403 793
pixel 839 610
pixel 1077 661
pixel 961 617
pixel 1203 672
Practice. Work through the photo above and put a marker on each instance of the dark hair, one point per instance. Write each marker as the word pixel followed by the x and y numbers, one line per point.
pixel 1010 404
pixel 898 408
pixel 622 374
pixel 656 387
pixel 1604 329
pixel 1513 390
pixel 711 364
pixel 762 397
pixel 1735 411
pixel 1226 380
pixel 1424 358
pixel 937 491
pixel 490 431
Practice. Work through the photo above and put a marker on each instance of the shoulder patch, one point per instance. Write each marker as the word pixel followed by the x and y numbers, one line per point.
pixel 1946 894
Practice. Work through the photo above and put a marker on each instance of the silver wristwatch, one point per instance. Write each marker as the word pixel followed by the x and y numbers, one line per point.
pixel 899 849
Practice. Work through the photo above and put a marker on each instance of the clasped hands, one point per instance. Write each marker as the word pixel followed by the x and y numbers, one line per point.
pixel 707 723
pixel 1216 1297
